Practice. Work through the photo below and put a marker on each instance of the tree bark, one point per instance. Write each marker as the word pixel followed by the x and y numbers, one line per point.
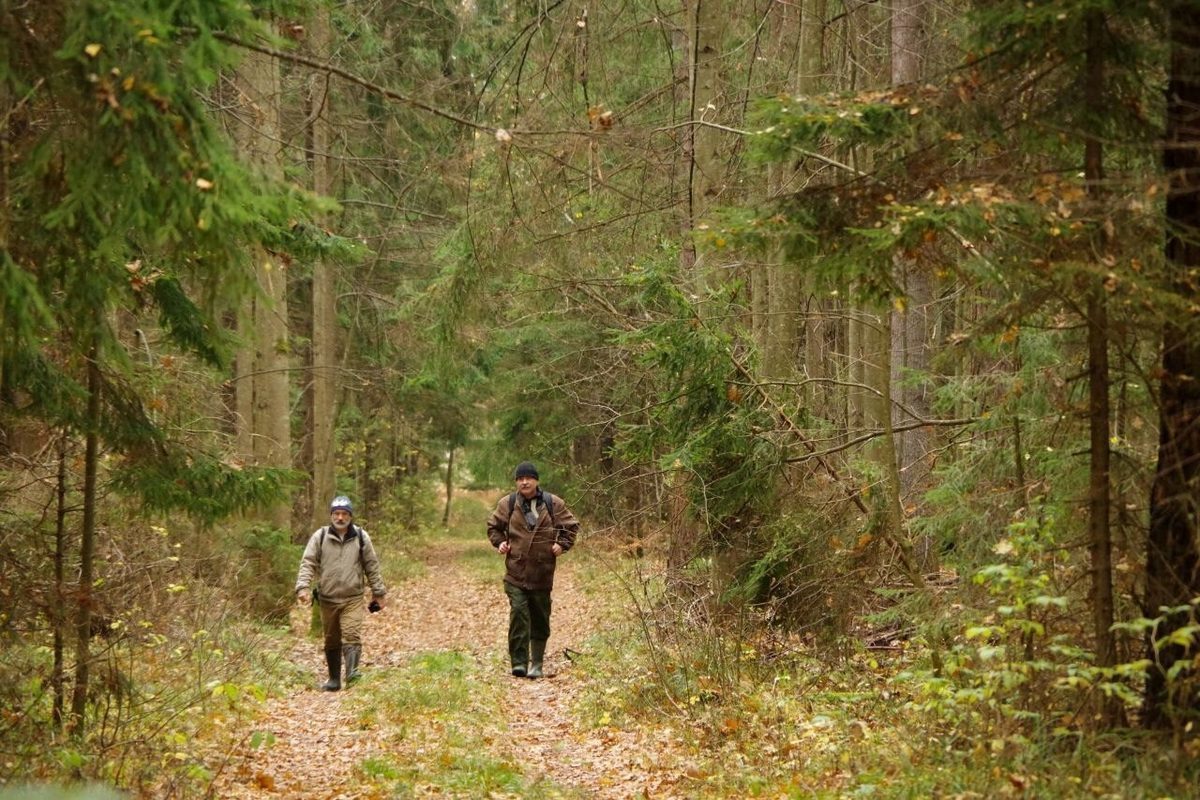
pixel 910 327
pixel 705 172
pixel 263 399
pixel 1173 548
pixel 58 671
pixel 779 297
pixel 87 546
pixel 1099 414
pixel 323 336
pixel 449 487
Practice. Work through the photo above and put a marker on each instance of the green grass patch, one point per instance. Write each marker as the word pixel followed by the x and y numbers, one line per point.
pixel 469 514
pixel 482 564
pixel 442 721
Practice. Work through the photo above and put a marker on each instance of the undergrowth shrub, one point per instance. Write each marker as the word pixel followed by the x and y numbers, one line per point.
pixel 805 571
pixel 1015 668
pixel 177 651
pixel 266 571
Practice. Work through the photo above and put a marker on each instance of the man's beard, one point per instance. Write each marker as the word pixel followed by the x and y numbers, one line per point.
pixel 341 525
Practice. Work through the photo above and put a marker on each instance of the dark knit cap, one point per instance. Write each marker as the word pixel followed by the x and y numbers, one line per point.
pixel 526 469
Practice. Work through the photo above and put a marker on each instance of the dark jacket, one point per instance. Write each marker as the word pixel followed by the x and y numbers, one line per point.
pixel 530 562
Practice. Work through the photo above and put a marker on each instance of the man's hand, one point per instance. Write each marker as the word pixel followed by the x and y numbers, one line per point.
pixel 304 597
pixel 504 548
pixel 379 601
pixel 556 548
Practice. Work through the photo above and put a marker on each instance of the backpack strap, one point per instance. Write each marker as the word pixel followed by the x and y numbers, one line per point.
pixel 361 544
pixel 547 501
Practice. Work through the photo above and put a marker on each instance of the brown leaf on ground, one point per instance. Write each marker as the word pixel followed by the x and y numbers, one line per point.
pixel 319 742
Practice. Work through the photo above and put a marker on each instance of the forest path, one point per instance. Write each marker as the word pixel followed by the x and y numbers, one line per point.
pixel 316 743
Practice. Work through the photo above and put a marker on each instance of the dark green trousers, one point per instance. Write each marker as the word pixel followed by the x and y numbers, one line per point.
pixel 528 619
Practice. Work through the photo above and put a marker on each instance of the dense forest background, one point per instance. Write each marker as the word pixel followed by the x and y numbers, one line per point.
pixel 862 330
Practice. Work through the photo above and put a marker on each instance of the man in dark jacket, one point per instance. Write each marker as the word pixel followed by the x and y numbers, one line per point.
pixel 531 529
pixel 339 556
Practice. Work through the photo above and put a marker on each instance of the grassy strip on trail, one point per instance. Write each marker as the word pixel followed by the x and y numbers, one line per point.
pixel 442 721
pixel 440 715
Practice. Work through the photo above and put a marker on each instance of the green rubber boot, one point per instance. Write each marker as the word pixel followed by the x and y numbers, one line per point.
pixel 351 654
pixel 333 658
pixel 537 653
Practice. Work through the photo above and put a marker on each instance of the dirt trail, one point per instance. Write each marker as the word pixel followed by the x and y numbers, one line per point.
pixel 318 742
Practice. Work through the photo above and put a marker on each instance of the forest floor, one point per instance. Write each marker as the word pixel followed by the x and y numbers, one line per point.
pixel 472 730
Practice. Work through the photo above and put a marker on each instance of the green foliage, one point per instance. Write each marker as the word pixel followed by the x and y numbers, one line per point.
pixel 172 665
pixel 1014 670
pixel 201 486
pixel 1174 638
pixel 698 424
pixel 803 568
pixel 868 118
pixel 187 325
pixel 267 561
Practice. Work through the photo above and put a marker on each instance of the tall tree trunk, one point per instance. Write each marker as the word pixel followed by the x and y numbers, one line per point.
pixel 87 546
pixel 707 20
pixel 880 401
pixel 323 409
pixel 891 355
pixel 1173 547
pixel 1099 490
pixel 5 162
pixel 779 296
pixel 449 486
pixel 810 81
pixel 58 673
pixel 856 372
pixel 263 377
pixel 800 42
pixel 910 326
pixel 698 165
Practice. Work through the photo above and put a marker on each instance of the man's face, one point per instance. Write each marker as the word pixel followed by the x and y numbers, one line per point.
pixel 527 485
pixel 340 518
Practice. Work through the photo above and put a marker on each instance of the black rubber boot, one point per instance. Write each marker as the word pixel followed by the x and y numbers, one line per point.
pixel 333 658
pixel 350 654
pixel 537 652
pixel 518 654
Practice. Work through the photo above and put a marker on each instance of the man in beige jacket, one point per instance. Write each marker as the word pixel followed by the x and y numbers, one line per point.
pixel 339 556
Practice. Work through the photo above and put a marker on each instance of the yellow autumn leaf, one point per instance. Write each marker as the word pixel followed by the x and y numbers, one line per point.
pixel 93 49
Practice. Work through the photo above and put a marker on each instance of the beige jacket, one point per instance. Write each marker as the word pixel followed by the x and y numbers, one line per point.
pixel 339 565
